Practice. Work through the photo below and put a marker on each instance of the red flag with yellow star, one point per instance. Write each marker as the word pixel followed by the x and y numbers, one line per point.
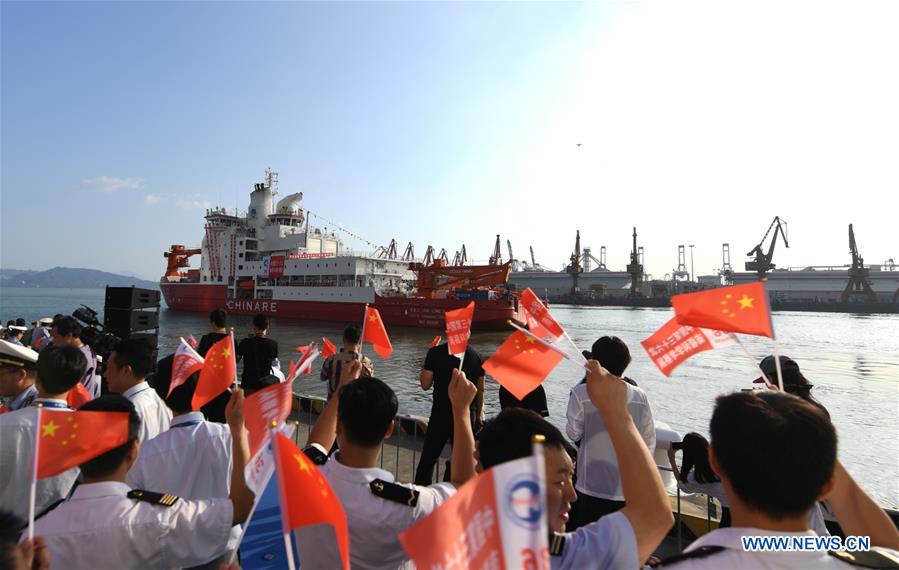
pixel 67 439
pixel 219 371
pixel 328 348
pixel 375 333
pixel 740 309
pixel 306 497
pixel 521 364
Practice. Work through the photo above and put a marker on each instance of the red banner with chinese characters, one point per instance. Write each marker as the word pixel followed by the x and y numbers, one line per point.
pixel 458 329
pixel 276 266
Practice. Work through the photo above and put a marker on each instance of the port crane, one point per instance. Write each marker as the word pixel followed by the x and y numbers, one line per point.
pixel 762 262
pixel 635 268
pixel 858 284
pixel 726 272
pixel 178 256
pixel 574 268
pixel 497 257
pixel 461 256
pixel 516 265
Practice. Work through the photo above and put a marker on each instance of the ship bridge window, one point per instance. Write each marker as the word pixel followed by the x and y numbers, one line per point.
pixel 240 254
pixel 240 267
pixel 220 278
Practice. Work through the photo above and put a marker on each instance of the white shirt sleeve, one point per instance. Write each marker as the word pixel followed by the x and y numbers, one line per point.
pixel 574 427
pixel 430 498
pixel 647 426
pixel 193 532
pixel 609 543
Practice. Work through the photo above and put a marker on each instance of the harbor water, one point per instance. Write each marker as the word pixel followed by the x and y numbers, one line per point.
pixel 853 361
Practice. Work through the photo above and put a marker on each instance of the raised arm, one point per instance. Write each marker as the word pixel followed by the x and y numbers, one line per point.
pixel 647 504
pixel 461 394
pixel 241 496
pixel 426 379
pixel 324 432
pixel 857 513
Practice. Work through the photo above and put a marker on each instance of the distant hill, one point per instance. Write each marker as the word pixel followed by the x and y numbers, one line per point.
pixel 69 278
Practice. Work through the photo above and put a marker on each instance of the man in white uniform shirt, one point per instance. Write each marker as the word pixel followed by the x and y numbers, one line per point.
pixel 624 539
pixel 107 524
pixel 58 369
pixel 193 458
pixel 361 414
pixel 776 454
pixel 126 374
pixel 598 479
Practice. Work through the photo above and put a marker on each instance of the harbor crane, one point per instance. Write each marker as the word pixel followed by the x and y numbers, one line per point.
pixel 858 284
pixel 681 271
pixel 497 257
pixel 409 254
pixel 461 256
pixel 516 265
pixel 762 262
pixel 635 268
pixel 388 252
pixel 589 259
pixel 727 271
pixel 575 268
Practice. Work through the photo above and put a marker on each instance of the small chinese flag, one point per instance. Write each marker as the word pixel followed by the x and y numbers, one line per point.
pixel 219 371
pixel 304 348
pixel 185 363
pixel 3 409
pixel 67 439
pixel 78 396
pixel 375 333
pixel 521 364
pixel 271 404
pixel 540 321
pixel 458 329
pixel 741 309
pixel 328 348
pixel 436 341
pixel 306 497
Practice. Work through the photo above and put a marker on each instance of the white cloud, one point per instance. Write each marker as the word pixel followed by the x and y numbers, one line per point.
pixel 111 184
pixel 190 204
pixel 151 199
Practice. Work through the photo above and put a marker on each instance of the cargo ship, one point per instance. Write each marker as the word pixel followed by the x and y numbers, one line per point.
pixel 272 261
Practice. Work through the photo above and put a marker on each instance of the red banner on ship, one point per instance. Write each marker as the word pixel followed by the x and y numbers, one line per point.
pixel 276 266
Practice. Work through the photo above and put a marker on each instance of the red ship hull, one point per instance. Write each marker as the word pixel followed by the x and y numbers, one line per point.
pixel 397 311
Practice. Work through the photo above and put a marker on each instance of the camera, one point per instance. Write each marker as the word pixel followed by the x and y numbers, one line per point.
pixel 93 335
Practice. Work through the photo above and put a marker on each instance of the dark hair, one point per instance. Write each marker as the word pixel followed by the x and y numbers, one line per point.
pixel 20 322
pixel 778 451
pixel 366 408
pixel 509 435
pixel 696 458
pixel 108 462
pixel 351 334
pixel 136 353
pixel 219 318
pixel 180 399
pixel 60 367
pixel 68 326
pixel 10 529
pixel 612 354
pixel 260 321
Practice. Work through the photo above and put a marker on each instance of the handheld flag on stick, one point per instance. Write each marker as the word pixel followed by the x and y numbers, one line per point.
pixel 306 497
pixel 219 371
pixel 268 406
pixel 436 341
pixel 541 323
pixel 373 331
pixel 185 363
pixel 740 309
pixel 496 520
pixel 78 396
pixel 192 342
pixel 304 366
pixel 674 343
pixel 522 363
pixel 458 329
pixel 328 348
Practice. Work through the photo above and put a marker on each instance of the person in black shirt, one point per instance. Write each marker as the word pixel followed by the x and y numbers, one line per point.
pixel 218 323
pixel 437 371
pixel 257 353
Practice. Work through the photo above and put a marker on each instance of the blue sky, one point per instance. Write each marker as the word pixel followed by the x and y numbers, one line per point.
pixel 447 123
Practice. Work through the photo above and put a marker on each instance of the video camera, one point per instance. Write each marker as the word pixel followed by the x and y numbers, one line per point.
pixel 93 335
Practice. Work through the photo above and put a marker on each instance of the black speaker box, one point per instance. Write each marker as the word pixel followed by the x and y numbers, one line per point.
pixel 131 298
pixel 123 322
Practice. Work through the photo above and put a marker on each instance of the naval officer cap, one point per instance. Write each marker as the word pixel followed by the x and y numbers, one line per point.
pixel 15 356
pixel 46 321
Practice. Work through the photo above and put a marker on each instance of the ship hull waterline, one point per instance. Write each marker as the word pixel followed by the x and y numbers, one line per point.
pixel 397 311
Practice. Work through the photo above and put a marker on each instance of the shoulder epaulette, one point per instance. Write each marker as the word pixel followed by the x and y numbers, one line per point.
pixel 700 552
pixel 556 544
pixel 867 558
pixel 151 497
pixel 315 455
pixel 394 492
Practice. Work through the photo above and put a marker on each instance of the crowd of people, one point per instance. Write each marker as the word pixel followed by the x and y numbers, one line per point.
pixel 174 495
